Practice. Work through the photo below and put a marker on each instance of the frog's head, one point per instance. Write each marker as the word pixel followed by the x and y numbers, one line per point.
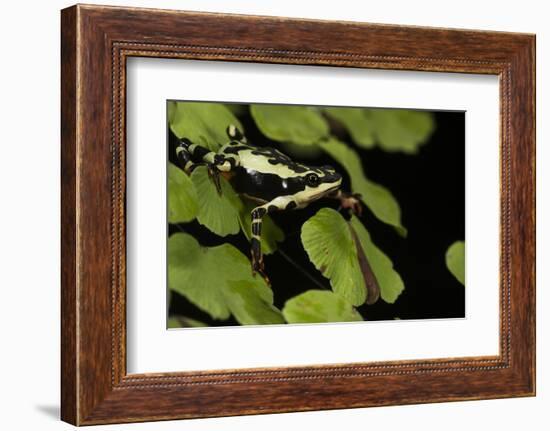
pixel 319 182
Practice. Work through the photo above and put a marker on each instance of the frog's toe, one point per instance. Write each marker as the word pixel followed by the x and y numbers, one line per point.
pixel 258 268
pixel 214 175
pixel 264 276
pixel 357 208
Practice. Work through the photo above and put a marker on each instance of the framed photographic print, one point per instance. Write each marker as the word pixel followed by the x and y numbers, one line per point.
pixel 270 215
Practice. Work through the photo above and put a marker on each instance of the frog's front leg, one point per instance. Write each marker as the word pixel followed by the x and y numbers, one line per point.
pixel 192 155
pixel 349 201
pixel 279 203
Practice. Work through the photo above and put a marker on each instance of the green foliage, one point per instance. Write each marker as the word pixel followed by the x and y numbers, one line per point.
pixel 202 123
pixel 251 307
pixel 454 258
pixel 389 280
pixel 271 233
pixel 330 247
pixel 219 213
pixel 354 120
pixel 400 129
pixel 300 152
pixel 182 198
pixel 219 281
pixel 319 306
pixel 300 125
pixel 176 321
pixel 328 240
pixel 379 199
pixel 391 129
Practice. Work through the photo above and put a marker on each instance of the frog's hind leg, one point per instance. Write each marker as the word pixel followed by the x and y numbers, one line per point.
pixel 257 214
pixel 184 156
pixel 235 134
pixel 192 155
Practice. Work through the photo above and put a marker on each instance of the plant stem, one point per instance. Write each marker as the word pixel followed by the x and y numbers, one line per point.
pixel 299 268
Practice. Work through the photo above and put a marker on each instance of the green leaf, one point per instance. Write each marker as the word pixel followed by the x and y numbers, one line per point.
pixel 301 125
pixel 202 123
pixel 400 129
pixel 219 281
pixel 355 122
pixel 455 260
pixel 379 199
pixel 250 308
pixel 271 233
pixel 176 321
pixel 303 152
pixel 390 282
pixel 319 306
pixel 328 242
pixel 182 198
pixel 219 213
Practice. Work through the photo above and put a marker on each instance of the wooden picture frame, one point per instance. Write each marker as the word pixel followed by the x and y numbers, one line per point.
pixel 96 41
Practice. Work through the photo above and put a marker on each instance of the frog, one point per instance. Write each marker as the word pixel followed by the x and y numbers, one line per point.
pixel 267 177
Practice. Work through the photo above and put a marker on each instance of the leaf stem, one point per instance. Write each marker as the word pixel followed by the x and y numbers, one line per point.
pixel 179 228
pixel 299 268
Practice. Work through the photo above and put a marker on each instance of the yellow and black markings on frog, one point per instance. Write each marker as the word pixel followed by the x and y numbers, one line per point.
pixel 266 176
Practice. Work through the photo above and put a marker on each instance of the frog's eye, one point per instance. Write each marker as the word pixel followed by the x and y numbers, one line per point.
pixel 312 180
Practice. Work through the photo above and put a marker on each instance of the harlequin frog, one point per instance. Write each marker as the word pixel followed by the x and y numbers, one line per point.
pixel 267 177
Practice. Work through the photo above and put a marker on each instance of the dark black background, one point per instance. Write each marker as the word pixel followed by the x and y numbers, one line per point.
pixel 430 188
